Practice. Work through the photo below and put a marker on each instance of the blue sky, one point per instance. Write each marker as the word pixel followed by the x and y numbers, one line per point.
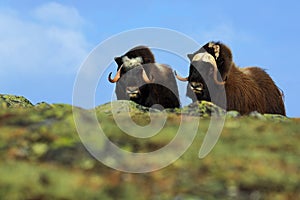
pixel 44 43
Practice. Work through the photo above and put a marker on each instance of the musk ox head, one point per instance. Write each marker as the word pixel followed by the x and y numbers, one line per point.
pixel 210 65
pixel 131 78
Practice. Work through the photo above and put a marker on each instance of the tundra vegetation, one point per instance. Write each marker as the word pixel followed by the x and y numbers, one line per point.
pixel 42 157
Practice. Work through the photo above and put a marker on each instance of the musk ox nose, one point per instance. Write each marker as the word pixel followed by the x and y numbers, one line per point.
pixel 132 91
pixel 196 87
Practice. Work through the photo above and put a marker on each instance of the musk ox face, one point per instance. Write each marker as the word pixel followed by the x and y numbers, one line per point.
pixel 132 82
pixel 130 74
pixel 209 66
pixel 197 86
pixel 130 78
pixel 201 75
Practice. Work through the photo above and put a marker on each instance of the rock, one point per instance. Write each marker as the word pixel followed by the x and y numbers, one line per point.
pixel 257 115
pixel 43 105
pixel 12 101
pixel 202 109
pixel 276 117
pixel 233 114
pixel 123 106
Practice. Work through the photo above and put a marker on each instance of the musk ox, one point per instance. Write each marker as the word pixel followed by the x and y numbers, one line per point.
pixel 143 81
pixel 247 89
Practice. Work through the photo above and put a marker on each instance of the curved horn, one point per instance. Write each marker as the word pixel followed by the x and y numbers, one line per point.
pixel 209 58
pixel 145 77
pixel 117 77
pixel 180 78
pixel 216 76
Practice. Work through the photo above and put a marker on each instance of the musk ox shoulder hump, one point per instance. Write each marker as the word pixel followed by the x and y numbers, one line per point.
pixel 141 51
pixel 163 67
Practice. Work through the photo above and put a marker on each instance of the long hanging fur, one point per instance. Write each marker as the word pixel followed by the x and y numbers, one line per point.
pixel 247 89
pixel 163 90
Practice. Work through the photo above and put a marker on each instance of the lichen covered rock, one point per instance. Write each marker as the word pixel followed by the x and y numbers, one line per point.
pixel 13 101
pixel 232 114
pixel 199 109
pixel 203 109
pixel 123 106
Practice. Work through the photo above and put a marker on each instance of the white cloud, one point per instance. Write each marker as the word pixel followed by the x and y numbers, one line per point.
pixel 58 14
pixel 51 42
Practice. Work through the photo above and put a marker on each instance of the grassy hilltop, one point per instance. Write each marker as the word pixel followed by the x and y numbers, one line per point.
pixel 42 156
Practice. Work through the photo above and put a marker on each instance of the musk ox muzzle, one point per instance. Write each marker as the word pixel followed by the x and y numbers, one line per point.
pixel 133 92
pixel 197 87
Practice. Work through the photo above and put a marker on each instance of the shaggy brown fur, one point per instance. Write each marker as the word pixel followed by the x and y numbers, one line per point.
pixel 247 89
pixel 273 96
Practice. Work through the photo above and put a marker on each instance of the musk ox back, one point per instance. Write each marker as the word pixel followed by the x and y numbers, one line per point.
pixel 145 82
pixel 247 89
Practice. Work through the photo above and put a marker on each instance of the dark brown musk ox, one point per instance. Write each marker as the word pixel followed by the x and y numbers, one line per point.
pixel 143 81
pixel 247 89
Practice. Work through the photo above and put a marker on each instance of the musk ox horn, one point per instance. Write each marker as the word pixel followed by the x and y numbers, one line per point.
pixel 208 58
pixel 216 76
pixel 179 77
pixel 117 77
pixel 145 77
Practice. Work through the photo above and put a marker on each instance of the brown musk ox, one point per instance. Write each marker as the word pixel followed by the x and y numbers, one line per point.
pixel 143 81
pixel 247 89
